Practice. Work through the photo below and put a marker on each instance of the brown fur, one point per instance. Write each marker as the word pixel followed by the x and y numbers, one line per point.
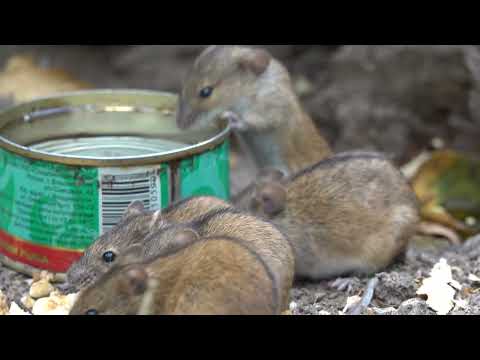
pixel 351 213
pixel 217 276
pixel 263 237
pixel 258 90
pixel 136 225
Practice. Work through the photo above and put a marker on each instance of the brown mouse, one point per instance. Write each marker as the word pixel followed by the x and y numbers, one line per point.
pixel 267 241
pixel 253 90
pixel 216 276
pixel 351 213
pixel 135 226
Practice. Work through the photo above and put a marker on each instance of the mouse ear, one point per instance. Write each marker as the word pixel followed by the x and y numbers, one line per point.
pixel 255 60
pixel 185 237
pixel 133 281
pixel 135 208
pixel 273 198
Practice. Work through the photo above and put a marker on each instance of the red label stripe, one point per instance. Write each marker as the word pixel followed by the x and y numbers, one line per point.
pixel 41 257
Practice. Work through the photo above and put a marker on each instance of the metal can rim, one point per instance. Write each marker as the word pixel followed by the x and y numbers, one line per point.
pixel 109 162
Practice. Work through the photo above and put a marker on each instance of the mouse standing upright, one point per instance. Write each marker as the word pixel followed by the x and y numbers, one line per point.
pixel 253 90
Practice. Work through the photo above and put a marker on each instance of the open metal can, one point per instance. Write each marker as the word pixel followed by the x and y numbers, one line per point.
pixel 71 165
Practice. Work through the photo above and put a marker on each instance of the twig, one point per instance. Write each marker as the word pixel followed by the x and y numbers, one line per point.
pixel 366 299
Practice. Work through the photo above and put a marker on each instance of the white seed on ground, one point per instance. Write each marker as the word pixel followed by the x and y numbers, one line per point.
pixel 293 306
pixel 41 289
pixel 16 310
pixel 474 278
pixel 28 302
pixel 324 313
pixel 47 306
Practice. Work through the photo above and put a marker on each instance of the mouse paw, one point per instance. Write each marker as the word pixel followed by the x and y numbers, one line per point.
pixel 344 284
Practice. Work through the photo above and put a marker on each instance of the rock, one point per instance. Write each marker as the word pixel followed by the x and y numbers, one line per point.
pixel 414 307
pixel 385 311
pixel 395 287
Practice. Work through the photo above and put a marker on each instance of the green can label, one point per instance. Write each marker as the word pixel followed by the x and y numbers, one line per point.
pixel 49 213
pixel 207 174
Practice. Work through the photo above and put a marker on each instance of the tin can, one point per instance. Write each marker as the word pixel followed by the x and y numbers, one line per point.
pixel 71 165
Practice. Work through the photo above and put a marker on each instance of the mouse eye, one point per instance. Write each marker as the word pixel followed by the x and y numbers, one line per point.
pixel 109 257
pixel 91 312
pixel 206 92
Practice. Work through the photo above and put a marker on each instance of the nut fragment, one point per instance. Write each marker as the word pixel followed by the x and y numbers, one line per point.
pixel 41 289
pixel 3 304
pixel 46 306
pixel 56 304
pixel 43 275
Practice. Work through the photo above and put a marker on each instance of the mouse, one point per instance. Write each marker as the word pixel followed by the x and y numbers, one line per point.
pixel 254 92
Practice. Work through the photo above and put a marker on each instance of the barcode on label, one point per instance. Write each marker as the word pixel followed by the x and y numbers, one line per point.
pixel 120 188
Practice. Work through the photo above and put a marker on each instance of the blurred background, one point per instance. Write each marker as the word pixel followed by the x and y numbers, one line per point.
pixel 397 99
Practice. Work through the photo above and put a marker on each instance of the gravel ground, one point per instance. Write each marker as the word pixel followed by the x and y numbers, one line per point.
pixel 161 67
pixel 395 293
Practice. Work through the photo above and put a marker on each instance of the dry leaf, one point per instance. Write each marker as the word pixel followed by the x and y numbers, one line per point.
pixel 474 278
pixel 448 187
pixel 23 80
pixel 440 288
pixel 351 302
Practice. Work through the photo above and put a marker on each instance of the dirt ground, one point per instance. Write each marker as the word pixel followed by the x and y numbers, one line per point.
pixel 383 98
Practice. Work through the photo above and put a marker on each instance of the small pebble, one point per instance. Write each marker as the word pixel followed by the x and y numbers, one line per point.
pixel 293 306
pixel 319 296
